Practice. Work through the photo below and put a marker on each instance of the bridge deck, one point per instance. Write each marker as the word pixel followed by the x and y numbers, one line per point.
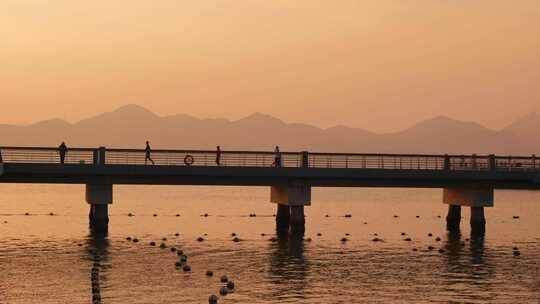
pixel 127 166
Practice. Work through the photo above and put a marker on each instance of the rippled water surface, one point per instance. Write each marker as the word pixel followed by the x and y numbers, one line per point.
pixel 48 259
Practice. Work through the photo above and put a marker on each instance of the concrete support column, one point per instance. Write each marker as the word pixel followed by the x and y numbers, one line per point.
pixel 478 221
pixel 283 217
pixel 298 222
pixel 290 200
pixel 99 196
pixel 453 219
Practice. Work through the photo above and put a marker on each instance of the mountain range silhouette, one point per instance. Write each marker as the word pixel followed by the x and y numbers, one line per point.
pixel 129 126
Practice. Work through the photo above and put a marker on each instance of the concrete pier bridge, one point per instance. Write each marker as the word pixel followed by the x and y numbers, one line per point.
pixel 466 180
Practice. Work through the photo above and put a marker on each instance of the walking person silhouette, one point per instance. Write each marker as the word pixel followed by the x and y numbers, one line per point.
pixel 147 156
pixel 218 156
pixel 277 157
pixel 62 150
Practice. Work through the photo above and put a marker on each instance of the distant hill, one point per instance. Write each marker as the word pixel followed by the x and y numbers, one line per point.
pixel 131 125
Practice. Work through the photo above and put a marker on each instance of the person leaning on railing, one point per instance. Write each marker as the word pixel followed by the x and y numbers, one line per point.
pixel 62 150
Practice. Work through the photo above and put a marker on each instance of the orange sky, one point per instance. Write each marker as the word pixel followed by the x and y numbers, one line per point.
pixel 375 64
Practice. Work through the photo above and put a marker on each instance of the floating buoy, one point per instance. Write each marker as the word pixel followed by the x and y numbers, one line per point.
pixel 180 252
pixel 395 216
pixel 343 240
pixel 128 238
pixel 430 234
pixel 346 234
pixel 164 239
pixel 223 291
pixel 200 239
pixel 155 214
pixel 224 279
pixel 173 249
pixel 252 215
pixel 130 214
pixel 177 215
pixel 403 233
pixel 377 240
pixel 51 214
pixel 365 223
pixel 408 239
pixel 414 249
pixel 437 239
pixel 515 248
pixel 438 216
pixel 431 247
pixel 516 217
pixel 233 234
pixel 213 299
pixel 348 215
pixel 262 234
pixel 152 243
pixel 308 240
pixel 209 273
pixel 230 285
pixel 418 216
pixel 26 213
pixel 205 215
pixel 177 234
pixel 186 268
pixel 135 240
pixel 327 215
pixel 236 240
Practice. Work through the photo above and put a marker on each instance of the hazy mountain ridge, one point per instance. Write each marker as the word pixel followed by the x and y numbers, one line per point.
pixel 131 125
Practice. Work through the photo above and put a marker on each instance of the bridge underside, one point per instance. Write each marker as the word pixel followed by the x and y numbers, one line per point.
pixel 240 176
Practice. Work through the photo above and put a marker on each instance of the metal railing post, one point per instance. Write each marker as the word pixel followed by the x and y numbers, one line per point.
pixel 447 162
pixel 102 156
pixel 533 160
pixel 492 163
pixel 305 159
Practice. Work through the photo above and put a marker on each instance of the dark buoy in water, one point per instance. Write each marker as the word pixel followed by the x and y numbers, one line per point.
pixel 177 215
pixel 418 216
pixel 177 234
pixel 403 233
pixel 377 240
pixel 155 214
pixel 128 238
pixel 223 291
pixel 224 279
pixel 308 240
pixel 236 240
pixel 395 216
pixel 205 215
pixel 365 223
pixel 262 234
pixel 408 239
pixel 186 268
pixel 516 217
pixel 135 240
pixel 164 239
pixel 346 234
pixel 414 249
pixel 152 243
pixel 515 248
pixel 233 234
pixel 327 215
pixel 252 215
pixel 319 234
pixel 200 239
pixel 431 248
pixel 209 273
pixel 51 213
pixel 430 234
pixel 173 249
pixel 26 213
pixel 437 239
pixel 348 215
pixel 343 240
pixel 130 214
pixel 516 253
pixel 230 285
pixel 213 299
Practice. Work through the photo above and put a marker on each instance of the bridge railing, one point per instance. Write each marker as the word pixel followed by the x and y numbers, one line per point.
pixel 39 155
pixel 207 158
pixel 200 158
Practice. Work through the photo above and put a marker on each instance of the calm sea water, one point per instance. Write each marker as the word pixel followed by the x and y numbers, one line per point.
pixel 48 259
